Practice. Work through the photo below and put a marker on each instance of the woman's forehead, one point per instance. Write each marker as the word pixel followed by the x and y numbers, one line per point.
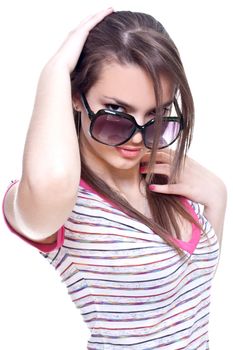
pixel 130 83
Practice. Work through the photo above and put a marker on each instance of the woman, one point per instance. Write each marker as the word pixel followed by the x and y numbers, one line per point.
pixel 105 198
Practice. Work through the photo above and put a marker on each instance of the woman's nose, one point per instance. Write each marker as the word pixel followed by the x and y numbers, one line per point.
pixel 137 137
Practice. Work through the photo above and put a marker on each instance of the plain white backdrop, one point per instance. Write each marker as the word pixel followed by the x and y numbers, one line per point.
pixel 35 310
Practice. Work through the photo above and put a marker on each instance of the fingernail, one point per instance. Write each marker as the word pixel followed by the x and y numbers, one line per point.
pixel 152 187
pixel 142 168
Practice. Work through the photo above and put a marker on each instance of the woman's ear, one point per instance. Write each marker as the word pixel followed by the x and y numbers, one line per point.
pixel 76 102
pixel 76 107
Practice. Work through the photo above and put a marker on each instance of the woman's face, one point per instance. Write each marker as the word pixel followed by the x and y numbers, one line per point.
pixel 130 85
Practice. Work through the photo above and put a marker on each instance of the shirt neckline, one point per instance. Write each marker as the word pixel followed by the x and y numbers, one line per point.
pixel 189 246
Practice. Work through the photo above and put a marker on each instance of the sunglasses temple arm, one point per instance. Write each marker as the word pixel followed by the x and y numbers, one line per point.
pixel 179 113
pixel 86 106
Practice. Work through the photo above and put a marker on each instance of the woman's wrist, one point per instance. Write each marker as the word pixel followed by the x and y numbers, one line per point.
pixel 57 65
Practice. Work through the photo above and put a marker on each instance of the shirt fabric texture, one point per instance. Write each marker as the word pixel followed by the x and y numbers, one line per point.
pixel 134 291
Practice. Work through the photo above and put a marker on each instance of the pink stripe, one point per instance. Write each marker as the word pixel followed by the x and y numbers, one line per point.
pixel 148 318
pixel 137 296
pixel 152 317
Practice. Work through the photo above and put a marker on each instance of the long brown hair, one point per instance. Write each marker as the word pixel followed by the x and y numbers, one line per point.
pixel 137 38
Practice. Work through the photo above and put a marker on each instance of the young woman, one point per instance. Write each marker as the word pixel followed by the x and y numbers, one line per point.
pixel 107 193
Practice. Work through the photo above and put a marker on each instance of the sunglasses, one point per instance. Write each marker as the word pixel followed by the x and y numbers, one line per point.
pixel 115 128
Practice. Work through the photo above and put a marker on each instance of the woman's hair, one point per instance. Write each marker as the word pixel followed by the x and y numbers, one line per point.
pixel 136 38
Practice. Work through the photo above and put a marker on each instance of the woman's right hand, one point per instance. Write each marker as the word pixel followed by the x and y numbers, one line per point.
pixel 69 52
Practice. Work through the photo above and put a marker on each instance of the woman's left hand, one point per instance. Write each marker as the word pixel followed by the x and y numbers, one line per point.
pixel 196 183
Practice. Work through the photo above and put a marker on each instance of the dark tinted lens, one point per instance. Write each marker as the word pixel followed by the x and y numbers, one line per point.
pixel 169 133
pixel 149 134
pixel 111 130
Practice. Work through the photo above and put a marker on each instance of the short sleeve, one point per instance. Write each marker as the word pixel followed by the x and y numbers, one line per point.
pixel 40 246
pixel 199 211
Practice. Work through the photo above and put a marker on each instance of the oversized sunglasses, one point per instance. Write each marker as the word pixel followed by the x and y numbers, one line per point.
pixel 114 128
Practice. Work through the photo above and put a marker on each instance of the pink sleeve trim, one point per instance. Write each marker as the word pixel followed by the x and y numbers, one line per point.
pixel 190 245
pixel 46 248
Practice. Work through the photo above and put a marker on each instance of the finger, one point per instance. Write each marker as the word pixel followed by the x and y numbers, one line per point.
pixel 163 156
pixel 92 20
pixel 175 189
pixel 146 158
pixel 70 50
pixel 162 168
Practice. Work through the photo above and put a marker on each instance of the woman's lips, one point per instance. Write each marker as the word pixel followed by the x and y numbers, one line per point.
pixel 129 152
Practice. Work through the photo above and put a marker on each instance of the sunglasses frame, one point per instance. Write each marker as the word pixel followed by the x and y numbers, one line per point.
pixel 93 116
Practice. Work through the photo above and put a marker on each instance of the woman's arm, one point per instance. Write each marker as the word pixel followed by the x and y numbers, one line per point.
pixel 41 202
pixel 215 207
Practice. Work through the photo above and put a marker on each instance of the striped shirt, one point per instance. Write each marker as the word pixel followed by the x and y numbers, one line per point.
pixel 134 290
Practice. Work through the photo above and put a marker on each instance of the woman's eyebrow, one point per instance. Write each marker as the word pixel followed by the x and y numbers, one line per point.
pixel 119 102
pixel 125 104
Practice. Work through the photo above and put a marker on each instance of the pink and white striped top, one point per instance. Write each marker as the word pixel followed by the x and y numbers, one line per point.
pixel 133 290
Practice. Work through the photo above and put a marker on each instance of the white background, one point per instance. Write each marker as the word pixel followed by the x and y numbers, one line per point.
pixel 35 310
